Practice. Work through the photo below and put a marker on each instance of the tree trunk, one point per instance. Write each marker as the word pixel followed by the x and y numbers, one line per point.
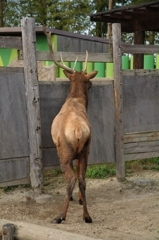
pixel 1 13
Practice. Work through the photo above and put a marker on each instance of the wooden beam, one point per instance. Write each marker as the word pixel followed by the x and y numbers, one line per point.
pixel 35 232
pixel 138 48
pixel 8 231
pixel 118 98
pixel 71 56
pixel 11 42
pixel 139 38
pixel 33 104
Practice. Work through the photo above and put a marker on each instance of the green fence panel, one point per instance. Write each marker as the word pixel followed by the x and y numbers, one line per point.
pixel 89 66
pixel 157 61
pixel 100 67
pixel 78 66
pixel 132 62
pixel 110 70
pixel 60 70
pixel 148 61
pixel 125 62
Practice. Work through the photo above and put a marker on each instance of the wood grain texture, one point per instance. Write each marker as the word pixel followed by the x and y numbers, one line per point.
pixel 71 56
pixel 141 101
pixel 14 171
pixel 145 49
pixel 118 98
pixel 11 42
pixel 13 115
pixel 33 103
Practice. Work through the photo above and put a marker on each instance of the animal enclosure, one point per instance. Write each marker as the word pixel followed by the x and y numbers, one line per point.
pixel 123 112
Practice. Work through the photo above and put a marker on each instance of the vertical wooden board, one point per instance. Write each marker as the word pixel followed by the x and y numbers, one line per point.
pixel 101 117
pixel 52 97
pixel 13 169
pixel 118 100
pixel 50 157
pixel 141 101
pixel 32 102
pixel 13 116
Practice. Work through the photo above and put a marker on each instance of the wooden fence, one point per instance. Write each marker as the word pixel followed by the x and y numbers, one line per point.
pixel 123 113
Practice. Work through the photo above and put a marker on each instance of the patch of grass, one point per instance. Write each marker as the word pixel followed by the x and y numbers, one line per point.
pixel 52 173
pixel 9 188
pixel 12 188
pixel 139 165
pixel 101 171
pixel 108 170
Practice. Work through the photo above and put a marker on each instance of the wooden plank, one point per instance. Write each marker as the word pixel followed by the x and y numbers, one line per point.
pixel 118 98
pixel 13 114
pixel 140 156
pixel 141 137
pixel 33 103
pixel 14 171
pixel 8 231
pixel 101 118
pixel 145 49
pixel 140 72
pixel 11 42
pixel 141 101
pixel 15 182
pixel 12 70
pixel 28 231
pixel 142 147
pixel 71 56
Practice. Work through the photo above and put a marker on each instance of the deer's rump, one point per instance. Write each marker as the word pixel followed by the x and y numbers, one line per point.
pixel 77 133
pixel 74 126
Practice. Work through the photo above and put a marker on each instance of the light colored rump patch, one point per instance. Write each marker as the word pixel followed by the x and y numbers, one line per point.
pixel 77 132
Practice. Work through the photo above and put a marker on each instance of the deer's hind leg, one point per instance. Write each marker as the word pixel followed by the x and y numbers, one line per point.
pixel 81 166
pixel 71 178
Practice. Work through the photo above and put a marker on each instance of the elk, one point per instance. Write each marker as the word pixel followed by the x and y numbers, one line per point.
pixel 71 133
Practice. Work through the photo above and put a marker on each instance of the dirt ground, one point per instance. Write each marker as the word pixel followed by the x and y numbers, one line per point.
pixel 122 211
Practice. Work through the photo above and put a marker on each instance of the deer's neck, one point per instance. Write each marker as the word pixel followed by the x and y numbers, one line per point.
pixel 79 92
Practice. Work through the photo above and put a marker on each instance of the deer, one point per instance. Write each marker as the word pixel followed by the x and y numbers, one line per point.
pixel 71 133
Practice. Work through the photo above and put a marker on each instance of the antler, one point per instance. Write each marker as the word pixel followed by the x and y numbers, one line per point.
pixel 85 67
pixel 63 66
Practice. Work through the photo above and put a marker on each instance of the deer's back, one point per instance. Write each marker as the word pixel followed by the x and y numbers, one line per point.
pixel 71 125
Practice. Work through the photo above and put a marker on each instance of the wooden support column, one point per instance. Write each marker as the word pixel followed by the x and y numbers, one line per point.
pixel 8 231
pixel 139 37
pixel 33 103
pixel 118 99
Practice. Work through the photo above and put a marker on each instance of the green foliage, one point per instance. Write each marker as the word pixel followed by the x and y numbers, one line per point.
pixel 69 15
pixel 108 170
pixel 12 188
pixel 100 171
pixel 139 165
pixel 8 189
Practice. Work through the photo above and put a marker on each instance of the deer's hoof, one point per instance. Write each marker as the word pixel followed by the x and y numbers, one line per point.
pixel 80 202
pixel 71 198
pixel 57 220
pixel 88 219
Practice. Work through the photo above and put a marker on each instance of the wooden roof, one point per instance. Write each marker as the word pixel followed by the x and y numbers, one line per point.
pixel 144 17
pixel 16 31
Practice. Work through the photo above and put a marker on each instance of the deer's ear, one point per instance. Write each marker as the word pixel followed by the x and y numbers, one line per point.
pixel 68 74
pixel 92 74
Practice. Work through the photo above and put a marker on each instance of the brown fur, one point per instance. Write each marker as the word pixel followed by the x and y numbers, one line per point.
pixel 71 133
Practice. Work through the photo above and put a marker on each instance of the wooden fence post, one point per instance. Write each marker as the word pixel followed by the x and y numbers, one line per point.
pixel 8 231
pixel 118 98
pixel 33 104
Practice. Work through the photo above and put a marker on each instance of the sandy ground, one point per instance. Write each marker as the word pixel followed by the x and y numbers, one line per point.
pixel 123 211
